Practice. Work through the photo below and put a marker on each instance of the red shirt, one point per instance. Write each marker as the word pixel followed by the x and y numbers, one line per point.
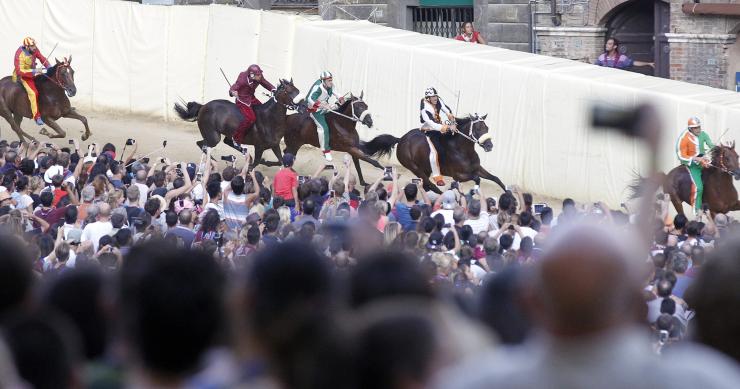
pixel 473 38
pixel 245 87
pixel 284 182
pixel 58 194
pixel 50 215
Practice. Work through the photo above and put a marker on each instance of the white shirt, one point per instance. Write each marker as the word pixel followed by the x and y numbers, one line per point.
pixel 24 201
pixel 528 232
pixel 94 231
pixel 143 194
pixel 478 225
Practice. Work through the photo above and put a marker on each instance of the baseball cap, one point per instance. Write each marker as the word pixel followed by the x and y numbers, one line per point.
pixel 448 200
pixel 435 240
pixel 288 159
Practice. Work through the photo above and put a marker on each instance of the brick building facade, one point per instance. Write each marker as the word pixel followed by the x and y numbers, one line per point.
pixel 696 48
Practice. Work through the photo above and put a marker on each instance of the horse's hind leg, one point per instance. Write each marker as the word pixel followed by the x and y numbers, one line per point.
pixel 5 113
pixel 60 133
pixel 72 114
pixel 483 173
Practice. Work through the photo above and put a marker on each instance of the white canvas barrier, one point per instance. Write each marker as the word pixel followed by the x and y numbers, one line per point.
pixel 140 59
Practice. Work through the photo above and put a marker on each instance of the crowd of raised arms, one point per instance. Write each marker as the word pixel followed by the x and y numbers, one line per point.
pixel 118 271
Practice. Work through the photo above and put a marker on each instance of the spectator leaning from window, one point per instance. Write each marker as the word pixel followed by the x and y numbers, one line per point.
pixel 612 58
pixel 468 34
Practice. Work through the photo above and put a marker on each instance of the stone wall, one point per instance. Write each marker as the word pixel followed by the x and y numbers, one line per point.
pixel 701 47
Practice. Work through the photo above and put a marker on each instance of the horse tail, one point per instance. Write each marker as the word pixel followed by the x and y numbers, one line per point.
pixel 637 186
pixel 188 113
pixel 381 145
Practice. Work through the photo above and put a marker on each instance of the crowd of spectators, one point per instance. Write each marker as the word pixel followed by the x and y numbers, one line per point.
pixel 121 271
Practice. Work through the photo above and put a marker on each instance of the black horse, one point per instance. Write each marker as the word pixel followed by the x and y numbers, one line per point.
pixel 222 117
pixel 457 156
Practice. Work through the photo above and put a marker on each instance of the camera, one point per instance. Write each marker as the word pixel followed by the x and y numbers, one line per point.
pixel 388 173
pixel 179 166
pixel 332 193
pixel 130 142
pixel 228 158
pixel 329 167
pixel 145 160
pixel 161 160
pixel 48 145
pixel 71 141
pixel 454 185
pixel 416 181
pixel 302 179
pixel 538 208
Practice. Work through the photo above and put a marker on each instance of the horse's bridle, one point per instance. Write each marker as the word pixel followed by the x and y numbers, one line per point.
pixel 354 117
pixel 56 80
pixel 472 137
pixel 722 162
pixel 287 106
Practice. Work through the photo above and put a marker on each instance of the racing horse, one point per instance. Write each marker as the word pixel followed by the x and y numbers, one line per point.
pixel 342 124
pixel 719 192
pixel 457 156
pixel 54 87
pixel 222 117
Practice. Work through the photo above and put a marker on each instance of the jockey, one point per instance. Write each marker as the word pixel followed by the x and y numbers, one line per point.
pixel 432 108
pixel 317 101
pixel 25 69
pixel 243 90
pixel 690 149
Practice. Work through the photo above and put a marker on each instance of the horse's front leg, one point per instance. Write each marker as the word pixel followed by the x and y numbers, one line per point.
pixel 483 173
pixel 358 155
pixel 60 133
pixel 72 114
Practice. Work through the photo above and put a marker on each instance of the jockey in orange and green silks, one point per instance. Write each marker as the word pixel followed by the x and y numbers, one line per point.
pixel 25 69
pixel 690 149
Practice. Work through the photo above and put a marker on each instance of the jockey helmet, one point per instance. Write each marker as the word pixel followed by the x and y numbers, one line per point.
pixel 28 41
pixel 325 75
pixel 254 70
pixel 694 122
pixel 430 92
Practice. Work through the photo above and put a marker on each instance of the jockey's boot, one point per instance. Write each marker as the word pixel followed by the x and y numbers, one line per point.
pixel 439 180
pixel 327 156
pixel 39 122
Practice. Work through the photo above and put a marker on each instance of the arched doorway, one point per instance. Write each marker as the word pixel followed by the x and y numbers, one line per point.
pixel 640 26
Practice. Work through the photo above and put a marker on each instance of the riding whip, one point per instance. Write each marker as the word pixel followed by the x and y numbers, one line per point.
pixel 225 78
pixel 52 49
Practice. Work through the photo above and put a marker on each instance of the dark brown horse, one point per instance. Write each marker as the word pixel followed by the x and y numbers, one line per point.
pixel 222 117
pixel 457 156
pixel 719 192
pixel 53 89
pixel 342 124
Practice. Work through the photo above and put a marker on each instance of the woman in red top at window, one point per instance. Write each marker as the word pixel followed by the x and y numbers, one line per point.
pixel 468 34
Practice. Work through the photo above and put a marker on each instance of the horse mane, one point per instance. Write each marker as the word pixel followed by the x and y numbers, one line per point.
pixel 50 72
pixel 347 102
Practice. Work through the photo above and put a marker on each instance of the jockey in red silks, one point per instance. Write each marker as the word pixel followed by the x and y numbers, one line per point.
pixel 243 89
pixel 25 69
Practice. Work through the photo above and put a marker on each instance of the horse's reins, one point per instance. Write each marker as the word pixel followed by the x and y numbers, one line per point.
pixel 55 80
pixel 354 117
pixel 721 166
pixel 471 137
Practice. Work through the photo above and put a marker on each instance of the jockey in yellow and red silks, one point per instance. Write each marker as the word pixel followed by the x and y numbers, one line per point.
pixel 25 69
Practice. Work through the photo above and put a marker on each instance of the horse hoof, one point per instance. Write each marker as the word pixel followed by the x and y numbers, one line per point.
pixel 43 131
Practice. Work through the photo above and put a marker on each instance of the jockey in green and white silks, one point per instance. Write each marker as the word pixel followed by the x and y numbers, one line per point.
pixel 317 101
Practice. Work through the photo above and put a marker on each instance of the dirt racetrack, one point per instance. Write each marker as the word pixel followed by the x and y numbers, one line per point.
pixel 181 137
